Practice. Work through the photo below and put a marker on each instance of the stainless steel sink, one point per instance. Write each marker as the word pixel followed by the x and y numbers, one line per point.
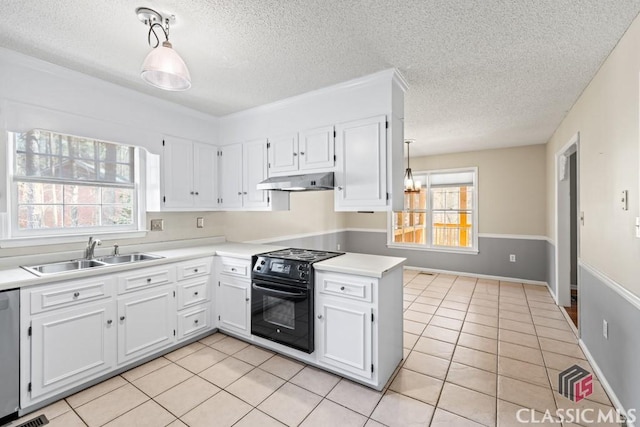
pixel 62 267
pixel 83 264
pixel 119 259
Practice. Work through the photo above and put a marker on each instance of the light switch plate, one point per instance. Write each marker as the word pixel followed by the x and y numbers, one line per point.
pixel 200 222
pixel 157 224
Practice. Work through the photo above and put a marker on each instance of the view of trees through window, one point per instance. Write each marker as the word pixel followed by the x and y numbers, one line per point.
pixel 63 181
pixel 439 213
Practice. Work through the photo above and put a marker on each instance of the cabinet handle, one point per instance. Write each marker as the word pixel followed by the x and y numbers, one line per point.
pixel 239 193
pixel 245 193
pixel 192 193
pixel 302 153
pixel 121 318
pixel 195 321
pixel 109 322
pixel 76 294
pixel 195 294
pixel 149 280
pixel 197 194
pixel 295 154
pixel 233 269
pixel 342 288
pixel 246 299
pixel 320 316
pixel 339 188
pixel 195 270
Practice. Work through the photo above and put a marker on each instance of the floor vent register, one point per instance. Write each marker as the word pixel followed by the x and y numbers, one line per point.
pixel 35 422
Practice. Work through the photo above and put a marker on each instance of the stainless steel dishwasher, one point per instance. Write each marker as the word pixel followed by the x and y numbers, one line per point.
pixel 9 354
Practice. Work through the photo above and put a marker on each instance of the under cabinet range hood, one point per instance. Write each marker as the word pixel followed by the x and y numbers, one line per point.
pixel 308 182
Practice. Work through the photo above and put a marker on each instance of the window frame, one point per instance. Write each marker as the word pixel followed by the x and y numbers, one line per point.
pixel 13 236
pixel 428 245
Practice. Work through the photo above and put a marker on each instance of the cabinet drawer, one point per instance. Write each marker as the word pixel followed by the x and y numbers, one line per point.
pixel 349 287
pixel 73 293
pixel 234 267
pixel 192 292
pixel 193 321
pixel 145 278
pixel 195 268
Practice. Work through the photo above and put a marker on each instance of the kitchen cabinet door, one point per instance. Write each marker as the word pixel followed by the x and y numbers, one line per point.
pixel 344 335
pixel 70 347
pixel 234 305
pixel 317 149
pixel 177 162
pixel 205 175
pixel 254 166
pixel 146 323
pixel 230 168
pixel 361 166
pixel 283 154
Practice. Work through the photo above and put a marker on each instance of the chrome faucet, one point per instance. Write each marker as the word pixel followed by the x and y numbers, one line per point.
pixel 91 247
pixel 116 250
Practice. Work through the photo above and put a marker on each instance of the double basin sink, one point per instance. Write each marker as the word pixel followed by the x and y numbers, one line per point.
pixel 84 264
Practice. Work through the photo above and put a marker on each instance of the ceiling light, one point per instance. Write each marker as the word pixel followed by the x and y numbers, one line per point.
pixel 409 183
pixel 163 67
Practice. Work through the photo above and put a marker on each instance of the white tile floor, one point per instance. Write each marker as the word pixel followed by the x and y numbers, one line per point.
pixel 476 351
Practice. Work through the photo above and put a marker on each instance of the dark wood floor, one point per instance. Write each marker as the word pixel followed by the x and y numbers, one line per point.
pixel 573 310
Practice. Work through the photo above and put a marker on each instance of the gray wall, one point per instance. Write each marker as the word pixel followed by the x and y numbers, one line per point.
pixel 616 357
pixel 492 259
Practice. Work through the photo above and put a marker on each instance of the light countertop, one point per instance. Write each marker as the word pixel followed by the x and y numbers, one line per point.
pixel 360 264
pixel 349 263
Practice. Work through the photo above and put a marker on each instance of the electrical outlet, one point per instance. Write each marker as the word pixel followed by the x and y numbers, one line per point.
pixel 157 224
pixel 200 222
pixel 605 329
pixel 512 258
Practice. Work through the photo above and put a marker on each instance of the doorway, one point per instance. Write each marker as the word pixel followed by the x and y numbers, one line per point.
pixel 567 229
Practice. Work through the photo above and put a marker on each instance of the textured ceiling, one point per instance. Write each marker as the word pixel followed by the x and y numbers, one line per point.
pixel 481 74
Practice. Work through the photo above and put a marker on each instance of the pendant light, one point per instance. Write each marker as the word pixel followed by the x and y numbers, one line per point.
pixel 409 182
pixel 163 67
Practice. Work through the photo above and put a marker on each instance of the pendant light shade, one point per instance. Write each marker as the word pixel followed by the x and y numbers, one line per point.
pixel 165 69
pixel 409 183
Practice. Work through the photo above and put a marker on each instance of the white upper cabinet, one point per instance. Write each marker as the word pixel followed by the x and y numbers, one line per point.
pixel 283 154
pixel 242 167
pixel 254 167
pixel 231 176
pixel 190 172
pixel 361 166
pixel 307 151
pixel 317 148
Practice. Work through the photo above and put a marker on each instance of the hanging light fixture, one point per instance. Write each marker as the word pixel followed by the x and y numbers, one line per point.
pixel 409 183
pixel 163 67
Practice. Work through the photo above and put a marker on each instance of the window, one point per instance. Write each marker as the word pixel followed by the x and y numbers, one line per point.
pixel 64 184
pixel 441 215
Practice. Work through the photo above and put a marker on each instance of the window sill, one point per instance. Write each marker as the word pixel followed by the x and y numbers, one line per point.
pixel 19 242
pixel 469 251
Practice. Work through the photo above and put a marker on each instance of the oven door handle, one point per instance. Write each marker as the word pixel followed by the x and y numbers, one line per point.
pixel 298 295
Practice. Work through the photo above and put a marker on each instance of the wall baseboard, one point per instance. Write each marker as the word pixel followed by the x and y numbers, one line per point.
pixel 480 276
pixel 603 380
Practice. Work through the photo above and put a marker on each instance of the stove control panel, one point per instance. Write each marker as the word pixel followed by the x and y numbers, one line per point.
pixel 281 268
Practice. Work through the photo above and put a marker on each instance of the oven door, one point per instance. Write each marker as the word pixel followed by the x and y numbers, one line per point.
pixel 282 313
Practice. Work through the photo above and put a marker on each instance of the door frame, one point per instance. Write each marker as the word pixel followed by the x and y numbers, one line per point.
pixel 563 288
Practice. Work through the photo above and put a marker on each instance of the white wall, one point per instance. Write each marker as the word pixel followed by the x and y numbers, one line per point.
pixel 606 116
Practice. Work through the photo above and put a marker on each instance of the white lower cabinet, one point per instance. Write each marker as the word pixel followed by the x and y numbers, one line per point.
pixel 146 323
pixel 70 346
pixel 343 327
pixel 233 295
pixel 76 331
pixel 234 305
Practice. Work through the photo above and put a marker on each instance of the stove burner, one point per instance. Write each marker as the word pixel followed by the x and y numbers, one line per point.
pixel 297 254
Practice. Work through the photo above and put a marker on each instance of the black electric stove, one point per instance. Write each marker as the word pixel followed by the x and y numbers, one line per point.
pixel 282 290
